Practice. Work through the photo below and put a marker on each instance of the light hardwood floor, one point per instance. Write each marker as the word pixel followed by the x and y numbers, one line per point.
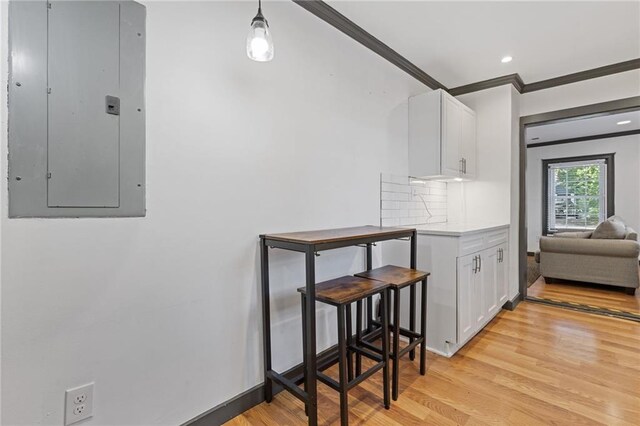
pixel 586 294
pixel 537 365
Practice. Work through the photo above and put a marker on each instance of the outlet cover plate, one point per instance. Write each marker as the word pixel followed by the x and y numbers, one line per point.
pixel 78 404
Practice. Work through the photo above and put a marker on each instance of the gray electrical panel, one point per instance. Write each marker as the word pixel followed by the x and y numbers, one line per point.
pixel 76 109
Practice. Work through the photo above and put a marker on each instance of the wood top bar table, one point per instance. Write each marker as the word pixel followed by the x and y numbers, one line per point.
pixel 310 243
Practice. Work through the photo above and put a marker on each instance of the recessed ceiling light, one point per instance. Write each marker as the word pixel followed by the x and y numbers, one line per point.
pixel 620 123
pixel 506 59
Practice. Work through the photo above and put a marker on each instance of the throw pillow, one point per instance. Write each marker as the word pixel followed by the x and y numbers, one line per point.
pixel 609 230
pixel 618 219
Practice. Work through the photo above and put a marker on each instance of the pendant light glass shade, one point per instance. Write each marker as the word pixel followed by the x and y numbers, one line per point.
pixel 259 42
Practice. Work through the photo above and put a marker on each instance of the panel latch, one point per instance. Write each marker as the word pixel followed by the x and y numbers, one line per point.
pixel 112 105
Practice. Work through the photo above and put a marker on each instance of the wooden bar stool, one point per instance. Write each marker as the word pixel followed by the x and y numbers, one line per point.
pixel 399 278
pixel 341 293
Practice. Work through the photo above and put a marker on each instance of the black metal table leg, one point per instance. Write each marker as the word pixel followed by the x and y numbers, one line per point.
pixel 304 345
pixel 342 367
pixel 385 348
pixel 310 346
pixel 412 292
pixel 423 329
pixel 369 299
pixel 266 319
pixel 358 336
pixel 412 317
pixel 349 343
pixel 396 343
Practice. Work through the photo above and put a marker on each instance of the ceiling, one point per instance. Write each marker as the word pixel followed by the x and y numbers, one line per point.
pixel 458 43
pixel 588 126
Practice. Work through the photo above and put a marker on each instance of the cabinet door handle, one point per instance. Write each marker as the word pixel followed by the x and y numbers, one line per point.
pixel 475 264
pixel 464 165
pixel 461 166
pixel 479 263
pixel 501 255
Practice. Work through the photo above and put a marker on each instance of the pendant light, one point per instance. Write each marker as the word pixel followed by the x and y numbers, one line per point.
pixel 259 42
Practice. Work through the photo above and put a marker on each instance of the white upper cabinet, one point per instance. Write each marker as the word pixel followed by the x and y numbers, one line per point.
pixel 442 137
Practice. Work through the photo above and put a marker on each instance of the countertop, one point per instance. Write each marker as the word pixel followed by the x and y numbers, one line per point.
pixel 458 229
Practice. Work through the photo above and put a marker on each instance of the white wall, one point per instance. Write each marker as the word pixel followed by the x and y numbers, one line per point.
pixel 603 89
pixel 627 178
pixel 492 198
pixel 486 199
pixel 163 312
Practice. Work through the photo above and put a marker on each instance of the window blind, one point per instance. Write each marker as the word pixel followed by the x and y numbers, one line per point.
pixel 577 196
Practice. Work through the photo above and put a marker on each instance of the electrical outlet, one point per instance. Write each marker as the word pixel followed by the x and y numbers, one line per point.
pixel 78 404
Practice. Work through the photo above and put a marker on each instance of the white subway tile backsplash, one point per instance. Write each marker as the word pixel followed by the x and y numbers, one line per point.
pixel 390 205
pixel 438 191
pixel 397 196
pixel 395 187
pixel 408 221
pixel 403 200
pixel 390 221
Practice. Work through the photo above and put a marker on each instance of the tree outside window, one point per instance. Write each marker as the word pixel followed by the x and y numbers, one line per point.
pixel 576 196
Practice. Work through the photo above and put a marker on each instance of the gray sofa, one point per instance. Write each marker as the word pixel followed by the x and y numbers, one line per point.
pixel 578 257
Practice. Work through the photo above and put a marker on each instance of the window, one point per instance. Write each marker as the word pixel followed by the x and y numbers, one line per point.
pixel 578 192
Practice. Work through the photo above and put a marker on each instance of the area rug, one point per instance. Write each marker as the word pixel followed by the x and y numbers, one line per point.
pixel 533 270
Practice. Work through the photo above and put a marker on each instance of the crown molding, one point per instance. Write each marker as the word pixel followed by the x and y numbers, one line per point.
pixel 582 75
pixel 513 79
pixel 584 138
pixel 334 18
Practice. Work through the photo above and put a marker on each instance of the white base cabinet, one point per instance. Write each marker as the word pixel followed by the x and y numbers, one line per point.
pixel 468 284
pixel 481 289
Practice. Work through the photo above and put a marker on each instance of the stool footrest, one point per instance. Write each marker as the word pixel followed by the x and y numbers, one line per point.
pixel 370 372
pixel 288 385
pixel 403 331
pixel 409 347
pixel 333 384
pixel 371 346
pixel 375 333
pixel 367 353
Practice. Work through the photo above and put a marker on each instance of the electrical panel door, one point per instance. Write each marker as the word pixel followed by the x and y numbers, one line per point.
pixel 76 108
pixel 83 136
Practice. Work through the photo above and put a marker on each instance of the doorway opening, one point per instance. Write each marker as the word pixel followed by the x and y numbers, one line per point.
pixel 579 169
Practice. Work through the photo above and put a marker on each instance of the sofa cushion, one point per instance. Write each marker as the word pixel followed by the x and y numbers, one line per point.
pixel 576 246
pixel 580 234
pixel 610 230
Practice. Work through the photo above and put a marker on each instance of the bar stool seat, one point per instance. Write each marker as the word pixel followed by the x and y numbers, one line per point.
pixel 395 276
pixel 342 292
pixel 347 289
pixel 399 278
